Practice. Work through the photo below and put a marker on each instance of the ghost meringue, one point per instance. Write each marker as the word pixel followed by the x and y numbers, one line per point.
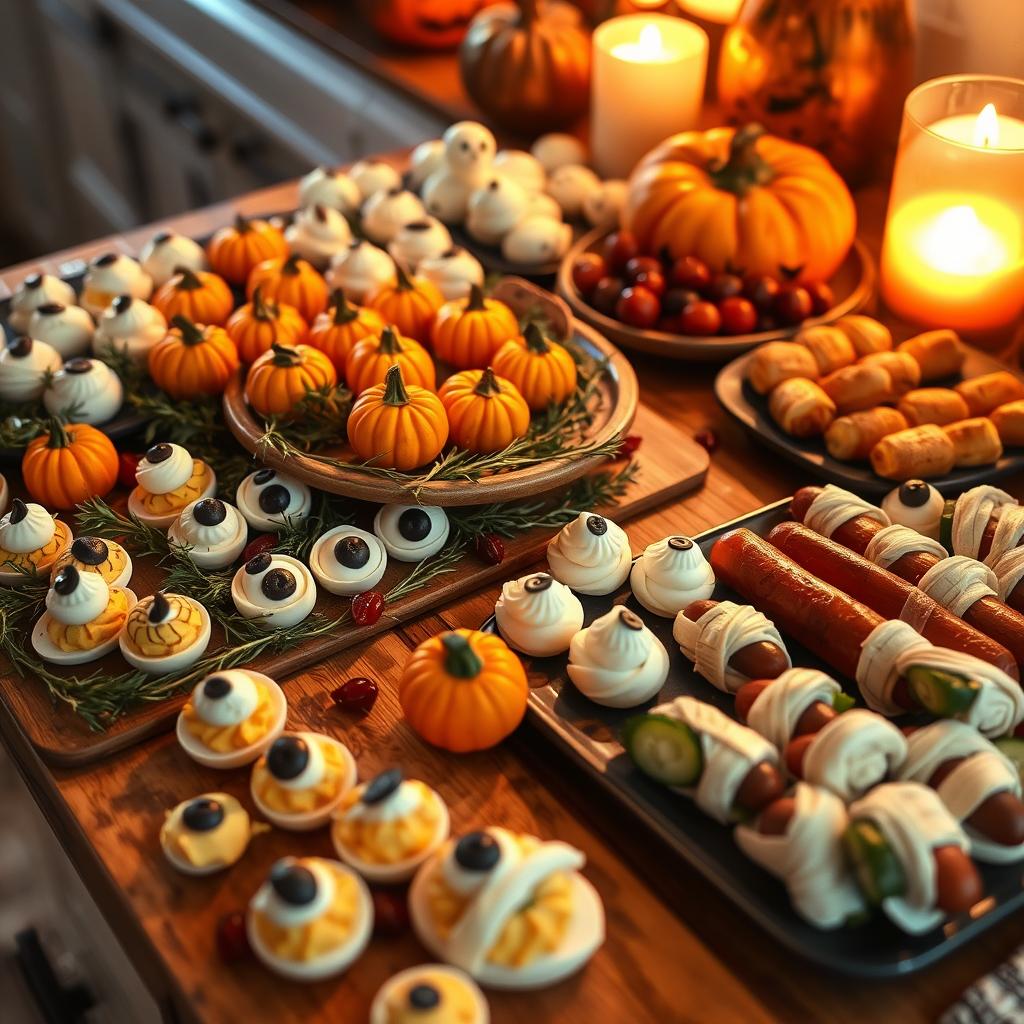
pixel 454 272
pixel 538 615
pixel 318 234
pixel 671 574
pixel 68 329
pixel 328 187
pixel 523 168
pixel 373 176
pixel 24 367
pixel 129 326
pixel 386 213
pixel 35 291
pixel 421 240
pixel 495 209
pixel 87 387
pixel 111 275
pixel 361 269
pixel 591 555
pixel 167 252
pixel 570 186
pixel 537 240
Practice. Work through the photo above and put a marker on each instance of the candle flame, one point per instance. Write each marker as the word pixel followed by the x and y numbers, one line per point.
pixel 986 128
pixel 650 41
pixel 957 242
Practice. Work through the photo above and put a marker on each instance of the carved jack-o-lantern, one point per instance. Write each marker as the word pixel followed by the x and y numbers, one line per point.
pixel 427 24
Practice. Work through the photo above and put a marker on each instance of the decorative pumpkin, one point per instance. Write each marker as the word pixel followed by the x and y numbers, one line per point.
pixel 369 361
pixel 742 201
pixel 337 330
pixel 542 370
pixel 281 378
pixel 467 332
pixel 258 325
pixel 193 360
pixel 202 297
pixel 425 24
pixel 463 690
pixel 235 250
pixel 527 65
pixel 397 426
pixel 69 464
pixel 410 303
pixel 485 413
pixel 292 282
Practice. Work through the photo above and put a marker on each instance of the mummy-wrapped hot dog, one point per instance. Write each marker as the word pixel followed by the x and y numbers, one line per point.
pixel 727 769
pixel 804 713
pixel 799 839
pixel 896 668
pixel 910 856
pixel 979 785
pixel 730 644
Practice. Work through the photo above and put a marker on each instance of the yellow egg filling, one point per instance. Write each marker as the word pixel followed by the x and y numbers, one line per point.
pixel 321 936
pixel 223 845
pixel 457 1004
pixel 176 633
pixel 394 841
pixel 224 738
pixel 110 569
pixel 301 801
pixel 176 500
pixel 535 930
pixel 41 559
pixel 89 636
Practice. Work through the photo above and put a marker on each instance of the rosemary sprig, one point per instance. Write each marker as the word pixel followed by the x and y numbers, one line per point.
pixel 98 519
pixel 297 536
pixel 428 570
pixel 320 419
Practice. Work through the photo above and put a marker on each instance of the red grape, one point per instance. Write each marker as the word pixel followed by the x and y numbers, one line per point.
pixel 638 307
pixel 652 280
pixel 587 270
pixel 619 248
pixel 690 272
pixel 358 694
pixel 630 445
pixel 127 463
pixel 701 319
pixel 606 294
pixel 822 299
pixel 738 315
pixel 367 608
pixel 707 439
pixel 761 291
pixel 793 304
pixel 390 912
pixel 641 265
pixel 723 286
pixel 264 542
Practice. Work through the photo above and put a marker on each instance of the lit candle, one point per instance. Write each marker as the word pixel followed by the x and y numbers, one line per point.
pixel 722 12
pixel 648 83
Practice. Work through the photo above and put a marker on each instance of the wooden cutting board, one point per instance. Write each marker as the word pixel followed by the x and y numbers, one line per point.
pixel 670 464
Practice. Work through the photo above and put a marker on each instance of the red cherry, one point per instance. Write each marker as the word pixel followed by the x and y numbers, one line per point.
pixel 358 694
pixel 723 286
pixel 264 542
pixel 390 912
pixel 761 291
pixel 629 447
pixel 127 464
pixel 606 294
pixel 676 300
pixel 690 272
pixel 738 315
pixel 489 548
pixel 367 607
pixel 619 248
pixel 701 319
pixel 822 299
pixel 641 265
pixel 652 280
pixel 232 940
pixel 707 439
pixel 793 304
pixel 587 270
pixel 638 306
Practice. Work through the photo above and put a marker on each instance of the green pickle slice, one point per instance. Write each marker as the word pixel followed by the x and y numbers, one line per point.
pixel 944 694
pixel 664 748
pixel 946 525
pixel 842 701
pixel 1013 748
pixel 878 871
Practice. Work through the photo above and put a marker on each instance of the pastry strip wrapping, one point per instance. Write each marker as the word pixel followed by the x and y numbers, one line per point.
pixel 958 582
pixel 891 543
pixel 777 710
pixel 1009 571
pixel 971 513
pixel 833 506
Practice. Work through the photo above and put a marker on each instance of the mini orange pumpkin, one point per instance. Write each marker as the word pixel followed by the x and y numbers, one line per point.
pixel 293 282
pixel 236 249
pixel 258 325
pixel 68 465
pixel 485 413
pixel 281 378
pixel 463 690
pixel 199 295
pixel 410 303
pixel 395 426
pixel 368 362
pixel 337 330
pixel 467 332
pixel 542 370
pixel 193 360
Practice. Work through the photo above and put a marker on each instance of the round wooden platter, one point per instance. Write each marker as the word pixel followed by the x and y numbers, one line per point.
pixel 853 285
pixel 618 396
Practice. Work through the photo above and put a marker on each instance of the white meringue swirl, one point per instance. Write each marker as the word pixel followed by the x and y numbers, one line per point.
pixel 591 555
pixel 538 615
pixel 33 531
pixel 87 599
pixel 168 475
pixel 671 574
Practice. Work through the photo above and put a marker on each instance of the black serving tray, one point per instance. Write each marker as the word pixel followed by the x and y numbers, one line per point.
pixel 751 409
pixel 589 734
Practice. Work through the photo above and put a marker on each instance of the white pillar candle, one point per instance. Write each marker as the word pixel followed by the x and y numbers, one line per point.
pixel 648 84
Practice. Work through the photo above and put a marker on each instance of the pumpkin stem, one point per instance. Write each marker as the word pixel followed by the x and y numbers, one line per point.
pixel 284 355
pixel 460 660
pixel 476 302
pixel 188 280
pixel 241 224
pixel 190 332
pixel 261 310
pixel 394 387
pixel 343 312
pixel 389 343
pixel 487 386
pixel 404 284
pixel 745 168
pixel 59 437
pixel 528 11
pixel 535 340
pixel 291 265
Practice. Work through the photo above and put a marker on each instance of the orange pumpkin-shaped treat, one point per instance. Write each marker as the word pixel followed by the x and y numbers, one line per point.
pixel 742 201
pixel 542 370
pixel 485 413
pixel 463 690
pixel 68 465
pixel 193 360
pixel 281 378
pixel 368 362
pixel 202 297
pixel 291 282
pixel 235 250
pixel 411 304
pixel 336 331
pixel 258 325
pixel 467 332
pixel 397 426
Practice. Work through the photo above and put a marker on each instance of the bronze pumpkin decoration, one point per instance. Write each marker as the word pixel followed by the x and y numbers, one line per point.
pixel 527 64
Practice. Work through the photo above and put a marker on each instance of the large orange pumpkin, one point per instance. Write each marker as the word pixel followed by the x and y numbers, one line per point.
pixel 68 465
pixel 463 690
pixel 292 282
pixel 467 332
pixel 257 325
pixel 410 303
pixel 742 201
pixel 542 370
pixel 280 379
pixel 485 413
pixel 202 297
pixel 395 426
pixel 234 250
pixel 425 24
pixel 336 331
pixel 368 362
pixel 193 360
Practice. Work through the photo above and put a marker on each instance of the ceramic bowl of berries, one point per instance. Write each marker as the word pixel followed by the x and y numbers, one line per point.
pixel 682 309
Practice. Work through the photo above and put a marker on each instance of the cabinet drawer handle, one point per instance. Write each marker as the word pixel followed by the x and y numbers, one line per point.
pixel 57 1003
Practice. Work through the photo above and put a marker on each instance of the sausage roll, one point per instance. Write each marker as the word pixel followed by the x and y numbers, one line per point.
pixel 801 408
pixel 903 369
pixel 867 334
pixel 851 438
pixel 917 452
pixel 975 441
pixel 933 405
pixel 777 361
pixel 938 353
pixel 1009 421
pixel 989 391
pixel 831 348
pixel 858 387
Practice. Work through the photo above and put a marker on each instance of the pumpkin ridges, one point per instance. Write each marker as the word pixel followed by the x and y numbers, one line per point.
pixel 62 477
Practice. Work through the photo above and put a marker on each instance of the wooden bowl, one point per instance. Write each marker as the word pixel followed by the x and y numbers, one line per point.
pixel 618 401
pixel 853 286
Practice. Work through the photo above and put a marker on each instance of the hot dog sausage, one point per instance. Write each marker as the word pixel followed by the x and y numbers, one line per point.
pixel 775 818
pixel 1000 817
pixel 762 784
pixel 760 660
pixel 814 718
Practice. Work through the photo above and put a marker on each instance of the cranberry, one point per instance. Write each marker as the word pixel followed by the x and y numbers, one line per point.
pixel 367 607
pixel 489 548
pixel 232 940
pixel 676 300
pixel 761 291
pixel 606 294
pixel 738 315
pixel 822 299
pixel 707 439
pixel 652 280
pixel 587 270
pixel 265 542
pixel 358 694
pixel 629 447
pixel 127 464
pixel 723 286
pixel 641 265
pixel 700 319
pixel 390 912
pixel 638 306
pixel 793 304
pixel 619 248
pixel 690 272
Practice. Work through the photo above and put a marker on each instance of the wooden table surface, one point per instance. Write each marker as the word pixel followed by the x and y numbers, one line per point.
pixel 676 949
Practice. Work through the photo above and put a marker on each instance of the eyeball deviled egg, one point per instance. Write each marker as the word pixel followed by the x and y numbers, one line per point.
pixel 917 505
pixel 214 532
pixel 93 554
pixel 411 533
pixel 167 252
pixel 87 386
pixel 169 479
pixel 111 275
pixel 276 590
pixel 432 993
pixel 30 539
pixel 165 633
pixel 207 834
pixel 35 291
pixel 66 329
pixel 268 499
pixel 348 561
pixel 25 365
